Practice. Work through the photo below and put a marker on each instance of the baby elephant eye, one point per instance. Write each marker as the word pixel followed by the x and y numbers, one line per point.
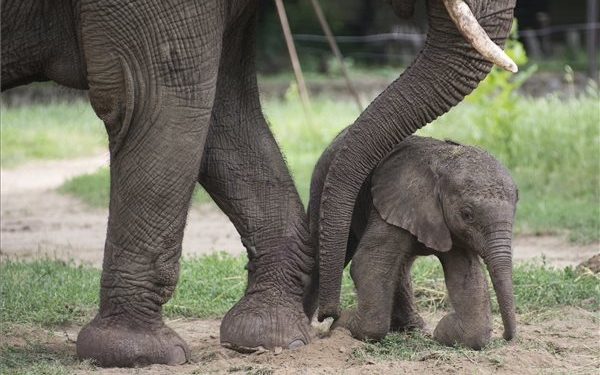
pixel 467 216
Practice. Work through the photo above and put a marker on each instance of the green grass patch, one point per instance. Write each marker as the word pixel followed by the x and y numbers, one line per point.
pixel 92 188
pixel 53 292
pixel 208 286
pixel 418 346
pixel 301 142
pixel 60 130
pixel 35 297
pixel 536 287
pixel 49 292
pixel 37 358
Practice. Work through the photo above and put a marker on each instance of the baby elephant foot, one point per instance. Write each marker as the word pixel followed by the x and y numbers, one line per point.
pixel 361 329
pixel 451 330
pixel 346 320
pixel 411 322
pixel 257 322
pixel 110 342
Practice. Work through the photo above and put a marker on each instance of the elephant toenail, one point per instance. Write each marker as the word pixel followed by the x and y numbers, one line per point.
pixel 296 344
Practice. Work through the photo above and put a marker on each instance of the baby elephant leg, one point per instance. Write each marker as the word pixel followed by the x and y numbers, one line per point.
pixel 404 313
pixel 374 271
pixel 471 322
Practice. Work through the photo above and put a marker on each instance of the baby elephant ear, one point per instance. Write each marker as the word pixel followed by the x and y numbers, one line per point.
pixel 405 195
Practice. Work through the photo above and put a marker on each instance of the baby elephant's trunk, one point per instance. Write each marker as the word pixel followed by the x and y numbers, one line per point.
pixel 497 255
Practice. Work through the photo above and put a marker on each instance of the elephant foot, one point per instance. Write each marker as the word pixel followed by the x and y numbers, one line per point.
pixel 451 331
pixel 412 322
pixel 361 329
pixel 346 320
pixel 254 324
pixel 112 342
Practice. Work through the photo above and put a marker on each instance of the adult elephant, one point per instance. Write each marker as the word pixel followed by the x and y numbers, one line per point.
pixel 174 82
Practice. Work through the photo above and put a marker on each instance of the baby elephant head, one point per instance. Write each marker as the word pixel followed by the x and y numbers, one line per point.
pixel 447 195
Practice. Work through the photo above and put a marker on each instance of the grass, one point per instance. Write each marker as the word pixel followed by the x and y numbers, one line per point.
pixel 92 188
pixel 40 297
pixel 61 130
pixel 208 286
pixel 417 346
pixel 48 292
pixel 36 358
pixel 53 292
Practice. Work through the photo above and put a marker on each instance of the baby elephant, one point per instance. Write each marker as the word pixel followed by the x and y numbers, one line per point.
pixel 427 197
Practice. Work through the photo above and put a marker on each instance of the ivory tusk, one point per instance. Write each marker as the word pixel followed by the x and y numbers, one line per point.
pixel 470 28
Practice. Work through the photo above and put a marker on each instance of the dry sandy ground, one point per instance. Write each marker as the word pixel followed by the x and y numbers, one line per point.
pixel 36 221
pixel 564 343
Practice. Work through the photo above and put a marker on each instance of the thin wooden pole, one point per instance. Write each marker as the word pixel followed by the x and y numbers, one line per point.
pixel 336 51
pixel 294 57
pixel 592 38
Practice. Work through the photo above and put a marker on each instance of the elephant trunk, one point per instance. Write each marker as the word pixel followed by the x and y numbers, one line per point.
pixel 497 255
pixel 447 69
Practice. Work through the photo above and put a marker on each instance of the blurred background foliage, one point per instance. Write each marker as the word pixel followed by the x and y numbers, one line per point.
pixel 554 32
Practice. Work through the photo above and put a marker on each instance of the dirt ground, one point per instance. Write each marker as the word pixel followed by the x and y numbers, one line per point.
pixel 36 221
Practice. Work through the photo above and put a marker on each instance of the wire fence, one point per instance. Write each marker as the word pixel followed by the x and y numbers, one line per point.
pixel 403 44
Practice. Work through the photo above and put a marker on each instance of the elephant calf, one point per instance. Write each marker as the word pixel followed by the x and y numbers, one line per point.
pixel 427 197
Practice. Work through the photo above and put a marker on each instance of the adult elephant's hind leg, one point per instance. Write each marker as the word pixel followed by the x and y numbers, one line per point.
pixel 156 107
pixel 246 175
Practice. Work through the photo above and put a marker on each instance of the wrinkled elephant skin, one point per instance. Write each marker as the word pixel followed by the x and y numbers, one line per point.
pixel 175 85
pixel 428 197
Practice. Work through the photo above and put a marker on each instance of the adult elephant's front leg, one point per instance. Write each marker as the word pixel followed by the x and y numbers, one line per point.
pixel 154 93
pixel 151 186
pixel 244 172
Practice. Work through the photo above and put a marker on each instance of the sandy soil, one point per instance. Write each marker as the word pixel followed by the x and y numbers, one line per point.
pixel 36 221
pixel 565 343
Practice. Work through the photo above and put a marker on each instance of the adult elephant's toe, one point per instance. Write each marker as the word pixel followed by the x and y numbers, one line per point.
pixel 114 342
pixel 254 324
